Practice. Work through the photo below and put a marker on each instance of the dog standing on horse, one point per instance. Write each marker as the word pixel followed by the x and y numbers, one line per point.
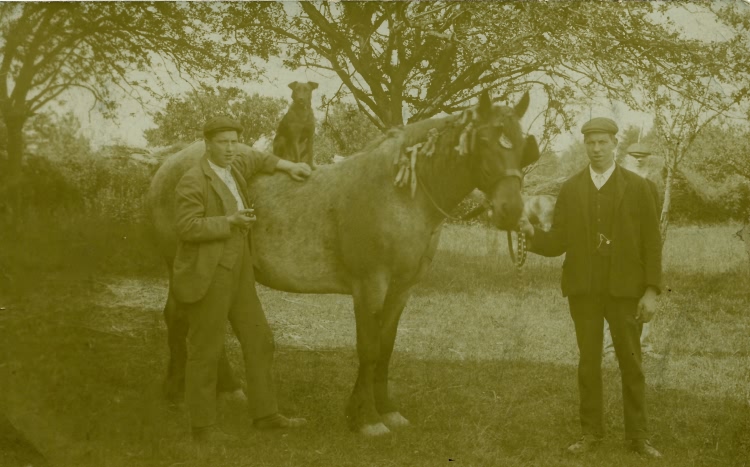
pixel 294 137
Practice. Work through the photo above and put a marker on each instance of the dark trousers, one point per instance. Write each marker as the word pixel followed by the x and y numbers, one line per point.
pixel 588 314
pixel 231 296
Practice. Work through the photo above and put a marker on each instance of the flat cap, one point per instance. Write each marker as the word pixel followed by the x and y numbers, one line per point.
pixel 222 123
pixel 638 150
pixel 600 125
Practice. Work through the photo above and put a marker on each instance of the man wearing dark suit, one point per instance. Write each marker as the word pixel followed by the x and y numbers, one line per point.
pixel 606 224
pixel 637 161
pixel 213 277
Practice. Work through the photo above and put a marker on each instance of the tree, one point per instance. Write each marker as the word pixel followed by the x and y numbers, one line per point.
pixel 685 101
pixel 56 137
pixel 47 49
pixel 183 117
pixel 348 128
pixel 718 169
pixel 424 58
pixel 679 120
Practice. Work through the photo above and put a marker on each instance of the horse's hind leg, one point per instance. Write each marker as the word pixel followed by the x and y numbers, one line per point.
pixel 394 305
pixel 177 328
pixel 369 296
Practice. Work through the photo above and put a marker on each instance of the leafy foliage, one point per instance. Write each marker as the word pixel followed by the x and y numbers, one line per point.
pixel 717 174
pixel 108 48
pixel 347 128
pixel 183 117
pixel 432 57
pixel 57 137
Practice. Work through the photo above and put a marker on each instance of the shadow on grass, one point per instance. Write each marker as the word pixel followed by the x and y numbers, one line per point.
pixel 15 449
pixel 83 385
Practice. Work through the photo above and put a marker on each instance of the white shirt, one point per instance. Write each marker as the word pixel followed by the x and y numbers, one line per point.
pixel 600 179
pixel 225 174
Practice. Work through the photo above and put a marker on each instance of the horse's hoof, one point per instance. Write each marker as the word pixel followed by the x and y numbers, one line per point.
pixel 376 429
pixel 395 420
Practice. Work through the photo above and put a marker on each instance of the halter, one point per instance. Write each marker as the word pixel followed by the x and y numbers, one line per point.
pixel 467 142
pixel 407 160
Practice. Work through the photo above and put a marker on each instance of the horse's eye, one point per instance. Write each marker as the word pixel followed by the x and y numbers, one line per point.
pixel 505 142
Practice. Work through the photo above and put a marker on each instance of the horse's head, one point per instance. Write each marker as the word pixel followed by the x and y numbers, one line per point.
pixel 499 152
pixel 302 93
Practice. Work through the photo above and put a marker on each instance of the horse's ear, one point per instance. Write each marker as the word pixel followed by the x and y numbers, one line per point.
pixel 292 85
pixel 522 106
pixel 313 84
pixel 530 151
pixel 484 110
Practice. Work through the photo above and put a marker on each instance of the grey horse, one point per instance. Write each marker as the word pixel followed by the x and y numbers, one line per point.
pixel 367 227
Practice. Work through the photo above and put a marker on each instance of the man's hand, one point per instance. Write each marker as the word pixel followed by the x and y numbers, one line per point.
pixel 242 218
pixel 525 227
pixel 646 306
pixel 298 171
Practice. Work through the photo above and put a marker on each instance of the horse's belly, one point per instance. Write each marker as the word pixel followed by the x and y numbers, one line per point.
pixel 295 237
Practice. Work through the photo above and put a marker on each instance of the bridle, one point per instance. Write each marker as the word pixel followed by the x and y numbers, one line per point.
pixel 465 147
pixel 519 255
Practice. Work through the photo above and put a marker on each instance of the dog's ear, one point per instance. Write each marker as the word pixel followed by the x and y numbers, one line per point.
pixel 313 84
pixel 292 85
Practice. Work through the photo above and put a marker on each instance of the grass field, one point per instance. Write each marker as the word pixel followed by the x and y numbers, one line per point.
pixel 485 367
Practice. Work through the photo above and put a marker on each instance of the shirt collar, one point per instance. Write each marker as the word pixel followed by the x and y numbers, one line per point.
pixel 606 174
pixel 220 171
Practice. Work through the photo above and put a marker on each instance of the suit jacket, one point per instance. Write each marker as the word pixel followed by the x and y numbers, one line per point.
pixel 206 237
pixel 635 261
pixel 656 195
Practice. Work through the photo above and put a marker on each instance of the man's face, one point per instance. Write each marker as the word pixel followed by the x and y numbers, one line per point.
pixel 600 147
pixel 222 147
pixel 638 163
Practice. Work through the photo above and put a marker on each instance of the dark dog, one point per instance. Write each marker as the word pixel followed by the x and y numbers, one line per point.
pixel 294 137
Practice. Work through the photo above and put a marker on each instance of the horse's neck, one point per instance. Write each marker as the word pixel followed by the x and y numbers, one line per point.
pixel 446 179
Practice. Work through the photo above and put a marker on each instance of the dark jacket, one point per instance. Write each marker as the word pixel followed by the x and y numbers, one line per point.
pixel 206 238
pixel 636 241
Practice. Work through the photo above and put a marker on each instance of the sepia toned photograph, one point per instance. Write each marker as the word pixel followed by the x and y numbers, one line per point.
pixel 375 233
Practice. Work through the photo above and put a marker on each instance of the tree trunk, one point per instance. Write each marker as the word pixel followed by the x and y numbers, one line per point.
pixel 664 221
pixel 11 188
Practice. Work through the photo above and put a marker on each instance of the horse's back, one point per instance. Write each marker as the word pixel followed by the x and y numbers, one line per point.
pixel 160 198
pixel 301 233
pixel 315 236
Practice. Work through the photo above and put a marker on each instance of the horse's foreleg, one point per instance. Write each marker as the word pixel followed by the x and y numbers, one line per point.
pixel 394 305
pixel 369 296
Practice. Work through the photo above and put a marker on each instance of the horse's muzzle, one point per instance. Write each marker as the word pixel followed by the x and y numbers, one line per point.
pixel 506 204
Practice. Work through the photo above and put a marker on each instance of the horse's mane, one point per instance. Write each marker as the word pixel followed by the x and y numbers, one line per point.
pixel 410 134
pixel 418 132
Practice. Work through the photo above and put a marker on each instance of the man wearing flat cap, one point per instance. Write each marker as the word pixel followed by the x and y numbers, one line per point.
pixel 213 277
pixel 605 223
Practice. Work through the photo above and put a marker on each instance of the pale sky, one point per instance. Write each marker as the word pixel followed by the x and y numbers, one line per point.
pixel 132 119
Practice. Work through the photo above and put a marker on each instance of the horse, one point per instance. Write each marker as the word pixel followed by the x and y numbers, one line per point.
pixel 368 226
